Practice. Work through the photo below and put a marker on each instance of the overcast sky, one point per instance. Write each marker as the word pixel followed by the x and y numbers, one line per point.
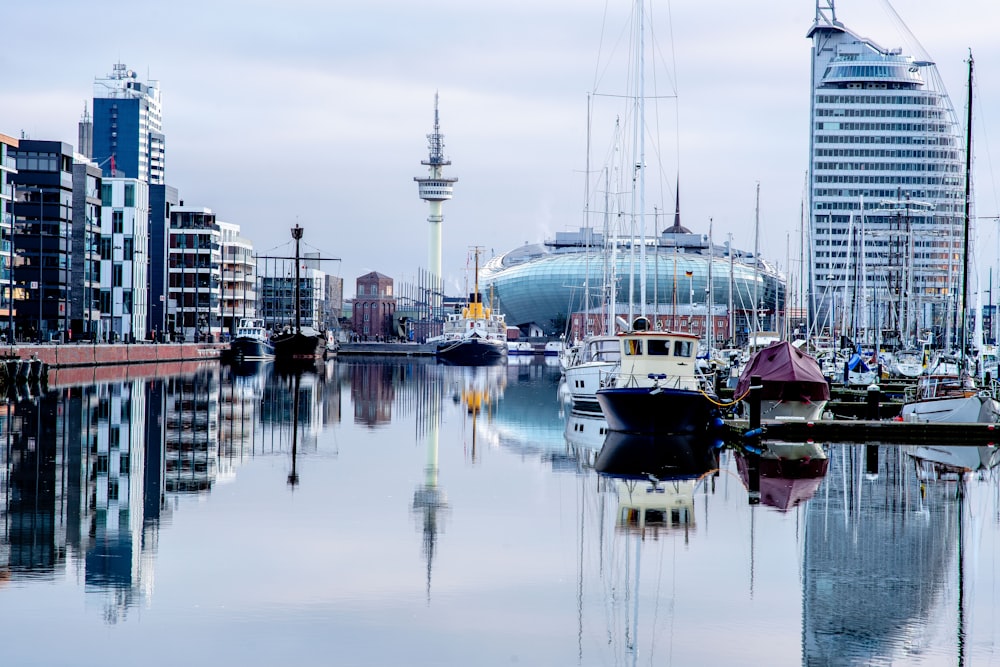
pixel 317 111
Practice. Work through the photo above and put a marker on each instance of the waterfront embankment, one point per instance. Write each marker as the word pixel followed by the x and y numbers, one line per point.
pixel 81 354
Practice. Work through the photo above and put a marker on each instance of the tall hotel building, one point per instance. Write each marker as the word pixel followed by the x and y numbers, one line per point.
pixel 887 175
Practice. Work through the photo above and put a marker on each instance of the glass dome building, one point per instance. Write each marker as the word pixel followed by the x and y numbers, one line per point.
pixel 542 285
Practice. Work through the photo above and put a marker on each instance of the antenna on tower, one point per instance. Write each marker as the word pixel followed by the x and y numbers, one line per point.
pixel 826 14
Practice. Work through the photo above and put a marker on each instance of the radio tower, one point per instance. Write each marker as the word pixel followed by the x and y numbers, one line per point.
pixel 435 189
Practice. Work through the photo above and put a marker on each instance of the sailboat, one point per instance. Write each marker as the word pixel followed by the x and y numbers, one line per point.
pixel 955 397
pixel 298 343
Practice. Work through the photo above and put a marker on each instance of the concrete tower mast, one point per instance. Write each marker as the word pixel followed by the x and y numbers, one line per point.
pixel 435 189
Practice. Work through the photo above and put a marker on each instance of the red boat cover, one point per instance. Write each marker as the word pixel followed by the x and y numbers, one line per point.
pixel 787 374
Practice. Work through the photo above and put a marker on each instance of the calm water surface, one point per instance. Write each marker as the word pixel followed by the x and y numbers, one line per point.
pixel 383 512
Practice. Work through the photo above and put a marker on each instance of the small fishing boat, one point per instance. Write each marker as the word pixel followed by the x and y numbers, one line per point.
pixel 657 387
pixel 252 341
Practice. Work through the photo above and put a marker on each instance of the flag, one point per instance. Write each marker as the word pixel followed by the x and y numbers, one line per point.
pixel 689 273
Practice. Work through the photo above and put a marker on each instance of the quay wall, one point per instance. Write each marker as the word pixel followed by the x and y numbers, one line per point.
pixel 400 349
pixel 81 355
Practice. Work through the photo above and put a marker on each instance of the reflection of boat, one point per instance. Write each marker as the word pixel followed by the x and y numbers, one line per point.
pixel 955 459
pixel 790 472
pixel 793 383
pixel 586 430
pixel 251 341
pixel 628 455
pixel 657 387
pixel 476 336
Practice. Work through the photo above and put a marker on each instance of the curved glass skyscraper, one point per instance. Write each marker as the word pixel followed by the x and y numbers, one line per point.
pixel 887 174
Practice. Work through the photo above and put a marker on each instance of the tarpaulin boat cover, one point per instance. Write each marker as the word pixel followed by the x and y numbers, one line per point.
pixel 787 374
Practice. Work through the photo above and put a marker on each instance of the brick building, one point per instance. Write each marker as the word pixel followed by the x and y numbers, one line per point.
pixel 374 307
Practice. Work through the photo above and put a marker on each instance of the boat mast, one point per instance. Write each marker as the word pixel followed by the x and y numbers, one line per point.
pixel 965 230
pixel 756 264
pixel 297 235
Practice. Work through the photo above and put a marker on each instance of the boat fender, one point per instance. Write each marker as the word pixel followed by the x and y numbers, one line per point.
pixel 754 432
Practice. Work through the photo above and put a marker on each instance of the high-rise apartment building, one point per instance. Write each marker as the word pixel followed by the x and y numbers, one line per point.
pixel 887 189
pixel 128 126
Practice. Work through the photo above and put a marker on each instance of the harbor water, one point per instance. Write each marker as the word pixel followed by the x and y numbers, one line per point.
pixel 393 511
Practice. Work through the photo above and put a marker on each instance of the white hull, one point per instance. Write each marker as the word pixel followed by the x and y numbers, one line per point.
pixel 957 458
pixel 790 410
pixel 979 408
pixel 583 381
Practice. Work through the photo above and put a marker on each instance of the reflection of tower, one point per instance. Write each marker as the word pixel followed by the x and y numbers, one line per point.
pixel 429 499
pixel 435 189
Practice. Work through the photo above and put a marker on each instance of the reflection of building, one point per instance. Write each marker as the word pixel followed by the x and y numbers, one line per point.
pixel 873 574
pixel 116 495
pixel 33 524
pixel 192 432
pixel 373 390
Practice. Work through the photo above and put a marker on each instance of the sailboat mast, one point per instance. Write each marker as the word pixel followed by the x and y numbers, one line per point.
pixel 297 235
pixel 642 157
pixel 965 230
pixel 756 264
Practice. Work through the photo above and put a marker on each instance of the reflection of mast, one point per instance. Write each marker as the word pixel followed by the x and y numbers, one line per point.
pixel 961 570
pixel 293 476
pixel 429 499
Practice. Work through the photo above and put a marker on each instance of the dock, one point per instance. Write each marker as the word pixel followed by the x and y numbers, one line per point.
pixel 867 432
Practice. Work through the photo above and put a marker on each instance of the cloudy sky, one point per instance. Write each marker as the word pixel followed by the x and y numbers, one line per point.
pixel 317 111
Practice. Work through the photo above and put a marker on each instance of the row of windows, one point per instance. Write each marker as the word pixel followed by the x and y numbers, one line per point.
pixel 933 277
pixel 889 180
pixel 922 128
pixel 932 100
pixel 890 166
pixel 658 347
pixel 886 194
pixel 879 71
pixel 889 112
pixel 856 206
pixel 886 152
pixel 949 140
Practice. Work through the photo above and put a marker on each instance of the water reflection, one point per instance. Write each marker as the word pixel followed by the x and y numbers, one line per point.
pixel 880 571
pixel 416 494
pixel 785 475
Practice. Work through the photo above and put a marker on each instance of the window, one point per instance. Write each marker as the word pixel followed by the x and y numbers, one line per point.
pixel 658 348
pixel 682 348
pixel 130 194
pixel 117 221
pixel 633 346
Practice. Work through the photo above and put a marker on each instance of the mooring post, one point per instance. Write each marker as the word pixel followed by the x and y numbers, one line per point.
pixel 871 459
pixel 753 457
pixel 755 389
pixel 874 396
